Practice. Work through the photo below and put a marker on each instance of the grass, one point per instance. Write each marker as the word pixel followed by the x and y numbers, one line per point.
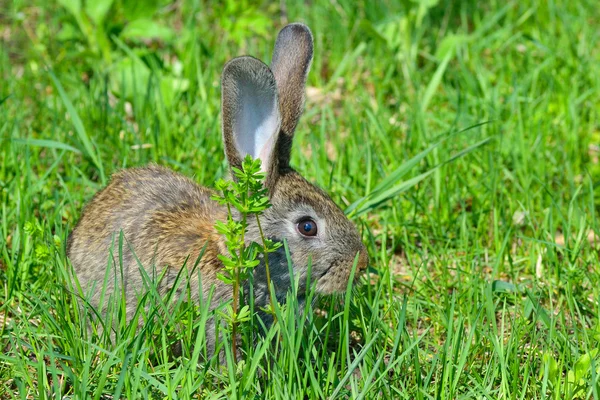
pixel 484 277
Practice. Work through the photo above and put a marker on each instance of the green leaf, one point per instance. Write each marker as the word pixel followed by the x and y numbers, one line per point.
pixel 571 377
pixel 532 308
pixel 426 3
pixel 393 191
pixel 389 187
pixel 552 366
pixel 243 314
pixel 73 6
pixel 583 364
pixel 79 128
pixel 147 29
pixel 225 278
pixel 367 27
pixel 503 287
pixel 449 44
pixel 222 184
pixel 171 86
pixel 49 144
pixel 227 262
pixel 393 30
pixel 221 227
pixel 394 176
pixel 129 78
pixel 347 63
pixel 238 173
pixel 136 9
pixel 436 79
pixel 97 10
pixel 596 333
pixel 68 32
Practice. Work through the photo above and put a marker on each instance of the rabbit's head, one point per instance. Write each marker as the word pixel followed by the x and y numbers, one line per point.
pixel 261 107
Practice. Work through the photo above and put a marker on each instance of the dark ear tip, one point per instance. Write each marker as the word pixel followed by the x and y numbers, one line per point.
pixel 244 64
pixel 297 29
pixel 296 32
pixel 247 69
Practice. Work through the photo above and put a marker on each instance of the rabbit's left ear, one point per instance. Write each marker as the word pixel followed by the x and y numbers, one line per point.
pixel 291 62
pixel 250 113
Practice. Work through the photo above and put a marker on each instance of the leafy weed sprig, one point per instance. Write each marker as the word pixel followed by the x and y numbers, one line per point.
pixel 248 195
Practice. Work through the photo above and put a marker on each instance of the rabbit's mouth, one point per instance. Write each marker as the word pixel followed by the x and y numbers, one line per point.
pixel 333 264
pixel 328 269
pixel 333 270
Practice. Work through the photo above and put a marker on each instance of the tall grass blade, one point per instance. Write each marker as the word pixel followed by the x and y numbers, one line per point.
pixel 90 149
pixel 48 144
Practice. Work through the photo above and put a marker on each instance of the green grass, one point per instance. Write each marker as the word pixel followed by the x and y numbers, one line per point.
pixel 484 280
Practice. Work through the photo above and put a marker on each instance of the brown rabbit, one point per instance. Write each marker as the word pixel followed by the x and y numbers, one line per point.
pixel 166 218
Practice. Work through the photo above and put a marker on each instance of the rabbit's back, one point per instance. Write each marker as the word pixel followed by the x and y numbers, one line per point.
pixel 165 219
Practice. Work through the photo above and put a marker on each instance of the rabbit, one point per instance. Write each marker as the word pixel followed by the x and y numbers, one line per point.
pixel 167 220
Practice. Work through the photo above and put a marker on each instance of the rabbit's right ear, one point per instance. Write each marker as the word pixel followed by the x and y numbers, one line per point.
pixel 250 112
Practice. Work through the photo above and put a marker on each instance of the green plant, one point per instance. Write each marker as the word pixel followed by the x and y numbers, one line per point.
pixel 97 19
pixel 246 194
pixel 483 277
pixel 116 31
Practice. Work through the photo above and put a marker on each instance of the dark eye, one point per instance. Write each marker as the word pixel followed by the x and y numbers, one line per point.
pixel 307 227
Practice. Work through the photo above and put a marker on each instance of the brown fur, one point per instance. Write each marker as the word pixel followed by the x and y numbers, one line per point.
pixel 167 221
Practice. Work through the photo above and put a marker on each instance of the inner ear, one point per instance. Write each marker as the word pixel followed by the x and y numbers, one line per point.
pixel 250 108
pixel 257 120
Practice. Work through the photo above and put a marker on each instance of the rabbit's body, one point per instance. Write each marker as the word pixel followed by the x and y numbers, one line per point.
pixel 167 221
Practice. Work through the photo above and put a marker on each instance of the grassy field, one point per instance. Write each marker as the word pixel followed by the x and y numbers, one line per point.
pixel 467 131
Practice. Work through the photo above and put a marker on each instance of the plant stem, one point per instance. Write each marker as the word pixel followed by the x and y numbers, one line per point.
pixel 236 290
pixel 234 322
pixel 268 272
pixel 235 300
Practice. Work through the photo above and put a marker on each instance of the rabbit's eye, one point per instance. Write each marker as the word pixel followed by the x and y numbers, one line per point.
pixel 307 227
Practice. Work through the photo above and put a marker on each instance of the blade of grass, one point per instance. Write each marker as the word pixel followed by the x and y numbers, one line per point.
pixel 436 79
pixel 90 149
pixel 49 144
pixel 387 190
pixel 353 365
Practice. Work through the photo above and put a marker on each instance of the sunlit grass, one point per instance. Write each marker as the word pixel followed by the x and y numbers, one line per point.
pixel 461 139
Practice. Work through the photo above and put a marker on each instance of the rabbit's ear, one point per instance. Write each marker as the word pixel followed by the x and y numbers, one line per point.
pixel 291 62
pixel 250 113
